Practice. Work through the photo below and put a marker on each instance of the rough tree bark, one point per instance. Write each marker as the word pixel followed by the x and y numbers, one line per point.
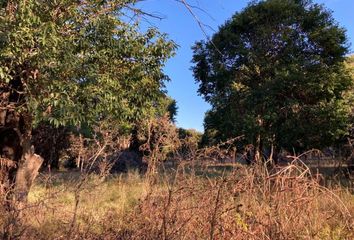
pixel 19 165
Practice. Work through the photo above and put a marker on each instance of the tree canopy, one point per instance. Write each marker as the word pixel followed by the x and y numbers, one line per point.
pixel 74 63
pixel 80 61
pixel 275 73
pixel 350 64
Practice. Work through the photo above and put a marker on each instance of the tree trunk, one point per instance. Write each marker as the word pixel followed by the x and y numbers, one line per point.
pixel 258 145
pixel 15 148
pixel 28 169
pixel 257 154
pixel 273 158
pixel 22 164
pixel 258 149
pixel 258 142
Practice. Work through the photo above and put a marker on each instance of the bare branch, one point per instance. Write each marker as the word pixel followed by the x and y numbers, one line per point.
pixel 201 25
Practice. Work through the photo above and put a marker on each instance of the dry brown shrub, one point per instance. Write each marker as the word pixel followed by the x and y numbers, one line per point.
pixel 186 202
pixel 250 203
pixel 160 141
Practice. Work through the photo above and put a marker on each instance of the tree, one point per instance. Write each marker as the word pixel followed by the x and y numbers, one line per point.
pixel 72 63
pixel 167 105
pixel 190 142
pixel 275 73
pixel 350 64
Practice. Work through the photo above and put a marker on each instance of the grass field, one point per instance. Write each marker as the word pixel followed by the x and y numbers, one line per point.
pixel 187 202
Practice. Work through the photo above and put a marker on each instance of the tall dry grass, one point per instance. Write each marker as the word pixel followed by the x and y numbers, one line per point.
pixel 248 203
pixel 245 203
pixel 188 199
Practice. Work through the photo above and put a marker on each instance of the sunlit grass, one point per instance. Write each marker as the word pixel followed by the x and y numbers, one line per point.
pixel 127 206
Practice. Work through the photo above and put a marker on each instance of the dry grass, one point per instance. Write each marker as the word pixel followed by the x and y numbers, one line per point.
pixel 249 203
pixel 186 203
pixel 193 199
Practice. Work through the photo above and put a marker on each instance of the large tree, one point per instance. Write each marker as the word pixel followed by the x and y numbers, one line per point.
pixel 275 73
pixel 72 62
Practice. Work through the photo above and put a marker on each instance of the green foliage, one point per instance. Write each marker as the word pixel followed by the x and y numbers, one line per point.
pixel 80 62
pixel 191 135
pixel 276 70
pixel 167 105
pixel 350 64
pixel 190 141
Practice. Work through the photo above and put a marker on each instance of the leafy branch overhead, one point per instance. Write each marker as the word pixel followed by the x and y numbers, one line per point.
pixel 81 62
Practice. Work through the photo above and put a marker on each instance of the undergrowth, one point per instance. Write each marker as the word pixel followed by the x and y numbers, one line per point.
pixel 241 203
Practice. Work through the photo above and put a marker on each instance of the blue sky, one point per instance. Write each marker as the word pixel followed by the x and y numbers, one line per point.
pixel 181 27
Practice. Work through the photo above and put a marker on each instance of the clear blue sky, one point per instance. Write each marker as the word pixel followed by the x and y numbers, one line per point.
pixel 181 27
